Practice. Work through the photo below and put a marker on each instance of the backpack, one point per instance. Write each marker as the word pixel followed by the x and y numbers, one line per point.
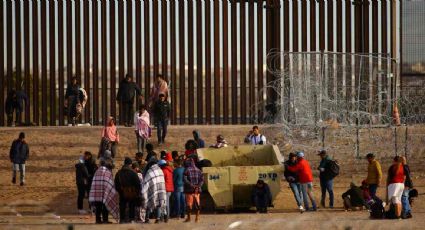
pixel 333 169
pixel 377 210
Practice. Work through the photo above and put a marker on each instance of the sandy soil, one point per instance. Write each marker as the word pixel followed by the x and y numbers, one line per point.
pixel 51 192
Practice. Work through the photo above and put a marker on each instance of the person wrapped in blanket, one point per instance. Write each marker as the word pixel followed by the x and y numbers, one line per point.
pixel 103 195
pixel 154 194
pixel 193 181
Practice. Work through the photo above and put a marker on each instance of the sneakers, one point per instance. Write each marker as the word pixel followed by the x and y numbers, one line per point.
pixel 14 180
pixel 301 209
pixel 82 212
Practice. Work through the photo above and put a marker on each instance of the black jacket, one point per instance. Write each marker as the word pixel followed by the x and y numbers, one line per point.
pixel 126 177
pixel 356 196
pixel 81 174
pixel 127 91
pixel 16 100
pixel 19 152
pixel 161 110
pixel 408 181
pixel 290 176
pixel 91 169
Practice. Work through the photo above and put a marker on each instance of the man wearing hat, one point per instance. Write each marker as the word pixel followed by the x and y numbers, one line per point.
pixel 161 112
pixel 19 152
pixel 374 174
pixel 127 184
pixel 326 180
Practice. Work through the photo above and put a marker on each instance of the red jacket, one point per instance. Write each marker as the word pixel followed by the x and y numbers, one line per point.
pixel 168 176
pixel 303 170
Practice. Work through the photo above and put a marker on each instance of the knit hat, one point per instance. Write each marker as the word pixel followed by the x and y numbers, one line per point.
pixel 300 154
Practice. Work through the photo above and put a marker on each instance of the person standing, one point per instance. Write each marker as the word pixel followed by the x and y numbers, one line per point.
pixel 303 170
pixel 15 102
pixel 408 186
pixel 161 114
pixel 154 194
pixel 256 138
pixel 91 167
pixel 293 180
pixel 110 131
pixel 374 174
pixel 395 184
pixel 142 127
pixel 169 184
pixel 81 179
pixel 127 184
pixel 140 212
pixel 326 180
pixel 160 87
pixel 102 193
pixel 179 199
pixel 19 153
pixel 125 97
pixel 73 97
pixel 193 181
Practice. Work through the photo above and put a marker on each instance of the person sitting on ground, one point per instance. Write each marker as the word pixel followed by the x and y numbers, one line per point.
pixel 154 194
pixel 261 196
pixel 169 185
pixel 102 193
pixel 395 183
pixel 220 142
pixel 193 180
pixel 110 131
pixel 142 127
pixel 18 155
pixel 127 184
pixel 256 137
pixel 353 198
pixel 292 179
pixel 81 179
pixel 150 152
pixel 197 138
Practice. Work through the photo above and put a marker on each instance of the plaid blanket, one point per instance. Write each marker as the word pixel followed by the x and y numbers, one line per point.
pixel 154 194
pixel 103 190
pixel 192 177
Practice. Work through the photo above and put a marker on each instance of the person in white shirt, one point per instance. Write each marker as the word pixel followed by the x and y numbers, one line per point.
pixel 255 138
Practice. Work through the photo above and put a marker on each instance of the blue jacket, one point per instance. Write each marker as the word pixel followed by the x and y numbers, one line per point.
pixel 178 177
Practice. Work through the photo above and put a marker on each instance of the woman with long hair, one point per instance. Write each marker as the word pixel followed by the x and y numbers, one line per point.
pixel 395 184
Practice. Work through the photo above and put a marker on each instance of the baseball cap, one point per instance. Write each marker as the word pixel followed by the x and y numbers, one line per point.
pixel 300 154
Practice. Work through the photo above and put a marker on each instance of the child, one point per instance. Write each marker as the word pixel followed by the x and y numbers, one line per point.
pixel 169 186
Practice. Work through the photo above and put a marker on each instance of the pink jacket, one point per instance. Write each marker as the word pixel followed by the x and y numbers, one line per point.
pixel 111 133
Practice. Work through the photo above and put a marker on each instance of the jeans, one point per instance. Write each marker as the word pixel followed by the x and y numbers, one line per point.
pixel 131 210
pixel 158 213
pixel 179 202
pixel 141 143
pixel 296 190
pixel 307 191
pixel 161 130
pixel 126 112
pixel 114 149
pixel 21 168
pixel 405 202
pixel 101 213
pixel 372 190
pixel 81 193
pixel 327 185
pixel 17 117
pixel 168 204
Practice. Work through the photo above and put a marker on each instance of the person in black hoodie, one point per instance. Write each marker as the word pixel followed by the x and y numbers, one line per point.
pixel 73 96
pixel 292 179
pixel 198 139
pixel 125 97
pixel 19 152
pixel 81 178
pixel 261 196
pixel 91 167
pixel 161 112
pixel 408 186
pixel 15 102
pixel 127 183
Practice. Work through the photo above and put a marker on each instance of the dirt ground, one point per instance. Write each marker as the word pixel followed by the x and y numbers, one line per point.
pixel 48 200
